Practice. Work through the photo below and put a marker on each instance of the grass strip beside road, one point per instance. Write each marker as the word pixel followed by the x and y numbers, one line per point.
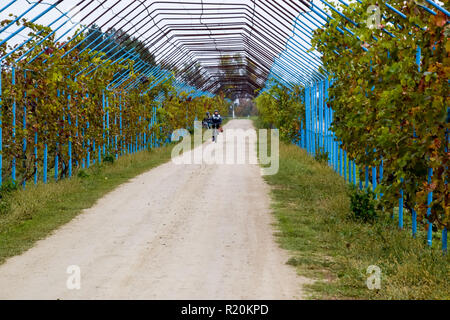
pixel 311 204
pixel 29 215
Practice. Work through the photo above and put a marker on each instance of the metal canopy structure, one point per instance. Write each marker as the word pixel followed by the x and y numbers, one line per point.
pixel 203 47
pixel 210 45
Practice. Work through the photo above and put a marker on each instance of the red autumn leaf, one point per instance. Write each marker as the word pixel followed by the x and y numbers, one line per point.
pixel 440 19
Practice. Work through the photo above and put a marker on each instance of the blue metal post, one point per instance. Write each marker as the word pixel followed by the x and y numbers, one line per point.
pixel 344 154
pixel 13 171
pixel 120 126
pixel 70 138
pixel 354 173
pixel 374 179
pixel 107 121
pixel 329 120
pixel 1 125
pixel 414 223
pixel 306 120
pixel 56 153
pixel 429 202
pixel 104 122
pixel 45 163
pixel 315 116
pixel 321 142
pixel 94 150
pixel 88 147
pixel 310 115
pixel 35 157
pixel 400 209
pixel 115 125
pixel 24 126
pixel 350 167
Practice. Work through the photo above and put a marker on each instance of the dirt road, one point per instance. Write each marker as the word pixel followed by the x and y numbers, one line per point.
pixel 175 232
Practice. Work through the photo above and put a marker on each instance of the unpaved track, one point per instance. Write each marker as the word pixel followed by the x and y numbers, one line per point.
pixel 175 232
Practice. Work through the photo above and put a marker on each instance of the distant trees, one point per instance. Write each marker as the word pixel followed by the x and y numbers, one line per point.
pixel 115 43
pixel 282 107
pixel 246 107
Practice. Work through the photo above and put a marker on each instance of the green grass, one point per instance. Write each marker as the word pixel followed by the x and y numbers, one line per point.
pixel 311 203
pixel 29 215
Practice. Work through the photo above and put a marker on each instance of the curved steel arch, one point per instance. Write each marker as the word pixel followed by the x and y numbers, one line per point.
pixel 195 36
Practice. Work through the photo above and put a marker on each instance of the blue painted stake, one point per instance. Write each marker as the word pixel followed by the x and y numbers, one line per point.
pixel 374 178
pixel 429 202
pixel 35 157
pixel 88 156
pixel 70 138
pixel 400 210
pixel 104 123
pixel 115 137
pixel 45 163
pixel 414 223
pixel 335 156
pixel 56 152
pixel 320 144
pixel 13 170
pixel 83 161
pixel 88 146
pixel 24 126
pixel 107 121
pixel 350 171
pixel 70 159
pixel 120 127
pixel 344 155
pixel 337 150
pixel 308 121
pixel 314 119
pixel 1 125
pixel 311 122
pixel 56 162
pixel 93 152
pixel 444 232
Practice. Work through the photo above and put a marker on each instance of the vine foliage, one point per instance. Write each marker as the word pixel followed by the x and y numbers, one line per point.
pixel 390 109
pixel 279 107
pixel 69 102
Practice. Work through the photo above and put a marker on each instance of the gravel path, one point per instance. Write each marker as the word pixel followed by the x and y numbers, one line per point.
pixel 175 232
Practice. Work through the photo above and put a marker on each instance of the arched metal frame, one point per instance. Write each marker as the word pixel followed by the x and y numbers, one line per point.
pixel 189 35
pixel 271 37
